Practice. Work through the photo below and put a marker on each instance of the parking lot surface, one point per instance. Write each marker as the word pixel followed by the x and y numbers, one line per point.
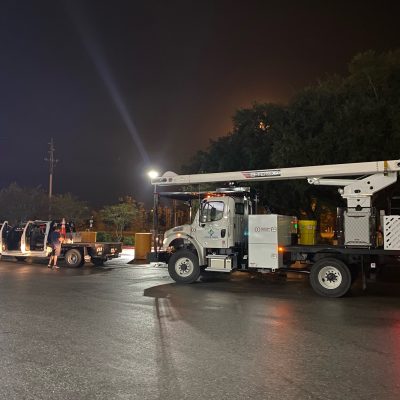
pixel 129 332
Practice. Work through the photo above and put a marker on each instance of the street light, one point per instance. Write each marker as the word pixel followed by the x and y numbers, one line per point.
pixel 152 175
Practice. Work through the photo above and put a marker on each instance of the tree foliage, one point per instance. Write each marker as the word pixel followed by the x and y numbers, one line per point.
pixel 120 216
pixel 248 146
pixel 341 119
pixel 19 204
pixel 71 208
pixel 348 119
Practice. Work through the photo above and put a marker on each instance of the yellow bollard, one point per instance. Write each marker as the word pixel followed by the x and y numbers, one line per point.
pixel 142 245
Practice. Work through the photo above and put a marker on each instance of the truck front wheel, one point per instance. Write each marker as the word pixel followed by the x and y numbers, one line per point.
pixel 183 266
pixel 73 258
pixel 330 277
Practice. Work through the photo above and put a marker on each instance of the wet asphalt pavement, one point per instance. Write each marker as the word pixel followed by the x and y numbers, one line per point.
pixel 128 332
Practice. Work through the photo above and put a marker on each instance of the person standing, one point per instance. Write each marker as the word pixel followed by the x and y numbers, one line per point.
pixel 55 244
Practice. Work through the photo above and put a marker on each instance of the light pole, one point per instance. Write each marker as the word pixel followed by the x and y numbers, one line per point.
pixel 152 175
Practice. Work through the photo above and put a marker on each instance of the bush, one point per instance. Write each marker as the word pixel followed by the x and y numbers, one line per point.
pixel 128 241
pixel 109 237
pixel 104 237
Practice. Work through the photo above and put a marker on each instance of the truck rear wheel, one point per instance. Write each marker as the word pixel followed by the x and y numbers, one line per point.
pixel 73 258
pixel 330 277
pixel 183 266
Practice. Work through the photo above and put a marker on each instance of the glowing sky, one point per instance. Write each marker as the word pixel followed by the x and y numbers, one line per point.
pixel 115 83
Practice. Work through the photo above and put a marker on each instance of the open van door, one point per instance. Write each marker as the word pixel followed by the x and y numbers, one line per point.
pixel 3 236
pixel 34 238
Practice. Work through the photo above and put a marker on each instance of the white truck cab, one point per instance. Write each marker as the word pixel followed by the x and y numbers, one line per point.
pixel 216 232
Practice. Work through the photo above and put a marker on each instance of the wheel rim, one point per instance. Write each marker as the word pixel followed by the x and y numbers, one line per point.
pixel 184 266
pixel 329 277
pixel 72 258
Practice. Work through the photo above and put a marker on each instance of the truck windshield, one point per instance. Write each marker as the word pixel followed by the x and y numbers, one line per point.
pixel 212 211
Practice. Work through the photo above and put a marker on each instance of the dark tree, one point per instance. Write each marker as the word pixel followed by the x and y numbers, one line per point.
pixel 341 119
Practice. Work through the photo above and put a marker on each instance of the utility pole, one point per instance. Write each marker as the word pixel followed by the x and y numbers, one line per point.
pixel 155 219
pixel 52 163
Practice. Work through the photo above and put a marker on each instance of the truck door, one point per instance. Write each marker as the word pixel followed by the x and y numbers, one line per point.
pixel 212 227
pixel 240 225
pixel 35 236
pixel 25 243
pixel 3 236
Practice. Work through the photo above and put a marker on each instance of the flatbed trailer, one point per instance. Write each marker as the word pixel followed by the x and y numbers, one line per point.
pixel 96 252
pixel 365 261
pixel 332 249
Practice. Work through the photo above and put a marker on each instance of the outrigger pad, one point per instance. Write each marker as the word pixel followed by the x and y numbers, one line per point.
pixel 160 256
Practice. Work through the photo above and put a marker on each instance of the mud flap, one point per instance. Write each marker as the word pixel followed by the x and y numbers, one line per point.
pixel 86 255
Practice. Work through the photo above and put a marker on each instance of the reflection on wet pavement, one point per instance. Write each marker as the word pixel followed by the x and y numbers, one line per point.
pixel 128 332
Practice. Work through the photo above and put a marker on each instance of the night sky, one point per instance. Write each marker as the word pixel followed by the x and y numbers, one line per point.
pixel 123 86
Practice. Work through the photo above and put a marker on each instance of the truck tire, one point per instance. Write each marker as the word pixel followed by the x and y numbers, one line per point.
pixel 73 258
pixel 330 277
pixel 183 266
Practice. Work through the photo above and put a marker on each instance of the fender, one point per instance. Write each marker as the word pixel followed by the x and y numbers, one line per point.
pixel 185 236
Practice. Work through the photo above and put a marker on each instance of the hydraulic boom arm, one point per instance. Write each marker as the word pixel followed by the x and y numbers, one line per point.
pixel 377 175
pixel 316 171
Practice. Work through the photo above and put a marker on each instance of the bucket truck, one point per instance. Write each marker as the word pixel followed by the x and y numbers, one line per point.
pixel 226 235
